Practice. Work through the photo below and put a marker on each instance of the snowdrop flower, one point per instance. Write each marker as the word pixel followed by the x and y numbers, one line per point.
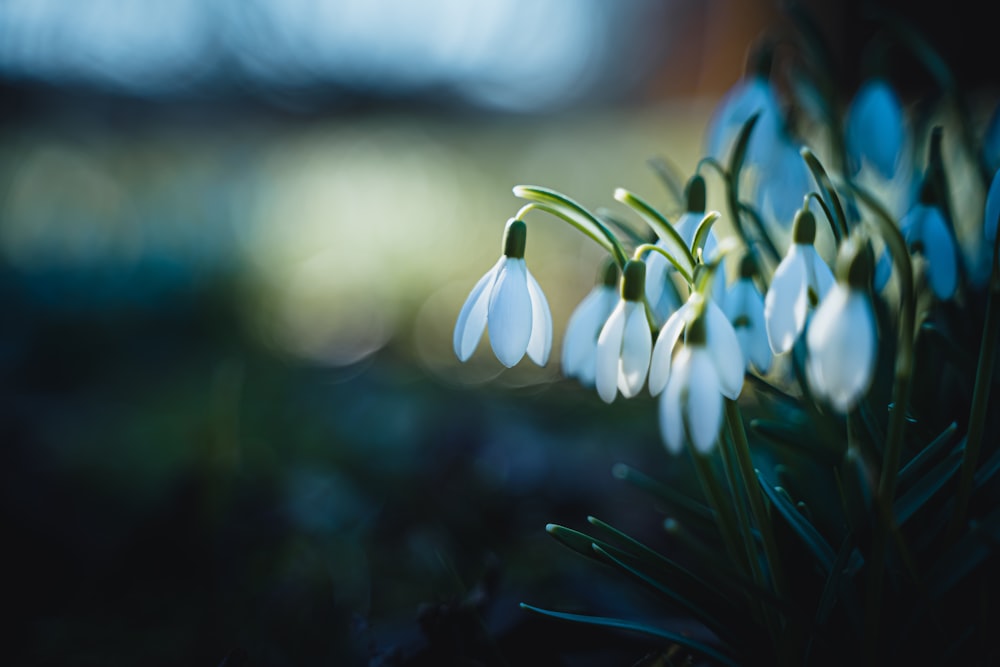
pixel 719 336
pixel 510 300
pixel 744 307
pixel 782 180
pixel 925 232
pixel 841 342
pixel 579 352
pixel 691 403
pixel 663 299
pixel 875 131
pixel 625 343
pixel 992 211
pixel 801 280
pixel 753 94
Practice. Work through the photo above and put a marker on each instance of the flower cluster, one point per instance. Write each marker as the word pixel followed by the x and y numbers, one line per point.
pixel 828 335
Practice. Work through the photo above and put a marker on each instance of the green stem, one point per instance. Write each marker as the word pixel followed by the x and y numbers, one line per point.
pixel 734 421
pixel 723 511
pixel 980 397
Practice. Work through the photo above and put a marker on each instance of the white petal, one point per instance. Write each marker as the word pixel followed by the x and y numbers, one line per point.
pixel 659 367
pixel 841 347
pixel 509 316
pixel 818 275
pixel 661 296
pixel 472 318
pixel 745 305
pixel 637 345
pixel 786 303
pixel 703 407
pixel 725 350
pixel 671 417
pixel 875 129
pixel 992 210
pixel 540 342
pixel 580 341
pixel 609 347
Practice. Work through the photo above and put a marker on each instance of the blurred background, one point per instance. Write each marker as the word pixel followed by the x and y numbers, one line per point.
pixel 234 237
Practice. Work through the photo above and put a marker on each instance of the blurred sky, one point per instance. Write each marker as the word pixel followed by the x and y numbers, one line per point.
pixel 353 159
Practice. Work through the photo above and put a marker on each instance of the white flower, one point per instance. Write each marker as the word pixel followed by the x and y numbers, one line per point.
pixel 509 299
pixel 744 306
pixel 579 352
pixel 875 129
pixel 625 343
pixel 662 297
pixel 926 232
pixel 720 338
pixel 781 181
pixel 753 94
pixel 707 367
pixel 801 280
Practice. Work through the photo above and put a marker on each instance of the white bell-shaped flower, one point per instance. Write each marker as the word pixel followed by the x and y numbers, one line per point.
pixel 751 95
pixel 579 351
pixel 510 301
pixel 875 129
pixel 841 343
pixel 660 294
pixel 691 404
pixel 625 344
pixel 781 181
pixel 744 306
pixel 992 212
pixel 801 280
pixel 721 340
pixel 925 232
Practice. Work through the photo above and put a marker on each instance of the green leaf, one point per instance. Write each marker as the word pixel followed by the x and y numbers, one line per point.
pixel 909 472
pixel 621 624
pixel 975 546
pixel 701 513
pixel 810 536
pixel 739 154
pixel 701 233
pixel 928 485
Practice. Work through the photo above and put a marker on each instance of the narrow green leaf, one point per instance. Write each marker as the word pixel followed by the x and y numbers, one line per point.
pixel 701 233
pixel 739 154
pixel 909 472
pixel 975 546
pixel 703 514
pixel 621 624
pixel 928 485
pixel 811 538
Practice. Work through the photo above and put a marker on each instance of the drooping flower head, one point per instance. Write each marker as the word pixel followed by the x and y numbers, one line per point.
pixel 744 306
pixel 625 343
pixel 926 231
pixel 842 342
pixel 579 352
pixel 660 290
pixel 508 300
pixel 875 129
pixel 801 280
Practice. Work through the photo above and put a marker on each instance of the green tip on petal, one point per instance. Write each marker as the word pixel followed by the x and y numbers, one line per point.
pixel 514 238
pixel 804 227
pixel 634 280
pixel 856 263
pixel 694 191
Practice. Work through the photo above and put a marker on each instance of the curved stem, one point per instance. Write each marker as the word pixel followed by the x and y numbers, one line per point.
pixel 652 247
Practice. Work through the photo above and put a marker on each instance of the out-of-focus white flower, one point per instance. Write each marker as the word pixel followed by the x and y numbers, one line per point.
pixel 992 211
pixel 801 280
pixel 626 342
pixel 509 299
pixel 841 342
pixel 751 95
pixel 579 352
pixel 744 306
pixel 703 371
pixel 875 129
pixel 781 181
pixel 925 232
